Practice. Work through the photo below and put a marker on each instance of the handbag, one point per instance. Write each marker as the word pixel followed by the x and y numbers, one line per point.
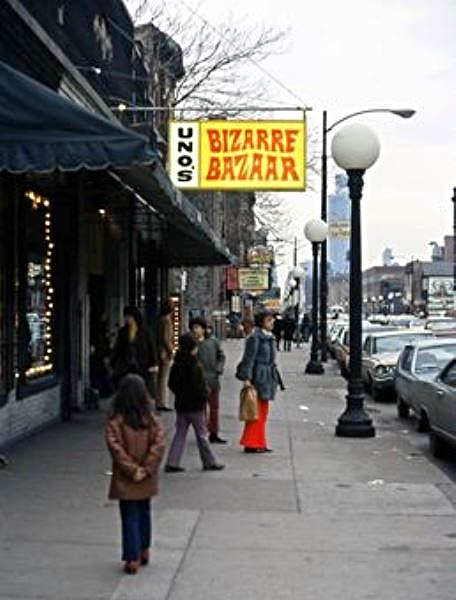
pixel 248 404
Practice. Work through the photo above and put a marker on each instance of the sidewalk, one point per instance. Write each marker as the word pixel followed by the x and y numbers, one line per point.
pixel 320 518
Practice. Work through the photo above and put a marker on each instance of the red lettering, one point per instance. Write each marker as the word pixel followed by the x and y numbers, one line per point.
pixel 215 142
pixel 241 162
pixel 235 140
pixel 289 168
pixel 290 139
pixel 262 139
pixel 256 166
pixel 271 171
pixel 214 169
pixel 248 140
pixel 277 140
pixel 228 168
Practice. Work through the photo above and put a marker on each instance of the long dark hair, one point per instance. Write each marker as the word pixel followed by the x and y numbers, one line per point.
pixel 187 343
pixel 132 402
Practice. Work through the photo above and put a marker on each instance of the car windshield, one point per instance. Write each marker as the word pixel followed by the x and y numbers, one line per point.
pixel 395 343
pixel 434 359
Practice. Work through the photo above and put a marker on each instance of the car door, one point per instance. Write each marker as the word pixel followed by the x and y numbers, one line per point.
pixel 443 417
pixel 404 377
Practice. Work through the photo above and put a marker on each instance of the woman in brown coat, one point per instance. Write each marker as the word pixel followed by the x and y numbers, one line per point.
pixel 136 443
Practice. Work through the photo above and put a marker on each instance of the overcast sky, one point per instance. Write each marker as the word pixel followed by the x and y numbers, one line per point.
pixel 355 54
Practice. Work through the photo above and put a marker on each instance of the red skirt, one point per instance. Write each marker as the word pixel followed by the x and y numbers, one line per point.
pixel 254 435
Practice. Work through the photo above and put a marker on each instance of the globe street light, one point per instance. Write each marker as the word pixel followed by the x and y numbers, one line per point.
pixel 315 231
pixel 355 148
pixel 405 113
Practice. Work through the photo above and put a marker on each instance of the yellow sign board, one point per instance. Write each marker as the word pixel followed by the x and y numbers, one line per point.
pixel 238 155
pixel 253 279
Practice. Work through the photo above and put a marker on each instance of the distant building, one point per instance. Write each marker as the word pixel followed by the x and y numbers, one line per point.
pixel 339 227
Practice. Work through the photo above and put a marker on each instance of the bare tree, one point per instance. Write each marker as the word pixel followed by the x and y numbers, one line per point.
pixel 223 64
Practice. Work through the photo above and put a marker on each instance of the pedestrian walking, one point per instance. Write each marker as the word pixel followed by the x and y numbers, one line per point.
pixel 212 359
pixel 278 330
pixel 136 442
pixel 305 327
pixel 289 327
pixel 134 350
pixel 165 342
pixel 189 386
pixel 258 368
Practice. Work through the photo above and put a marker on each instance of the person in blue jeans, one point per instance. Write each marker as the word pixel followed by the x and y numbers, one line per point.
pixel 135 440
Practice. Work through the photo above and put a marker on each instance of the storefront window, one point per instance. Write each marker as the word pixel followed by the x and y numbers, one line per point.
pixel 39 290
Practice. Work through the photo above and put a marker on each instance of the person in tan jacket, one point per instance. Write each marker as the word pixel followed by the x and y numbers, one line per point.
pixel 165 339
pixel 136 442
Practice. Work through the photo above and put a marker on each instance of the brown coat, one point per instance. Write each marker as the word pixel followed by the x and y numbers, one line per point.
pixel 131 449
pixel 165 337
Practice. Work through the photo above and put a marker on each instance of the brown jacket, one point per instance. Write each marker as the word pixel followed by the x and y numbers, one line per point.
pixel 131 449
pixel 165 337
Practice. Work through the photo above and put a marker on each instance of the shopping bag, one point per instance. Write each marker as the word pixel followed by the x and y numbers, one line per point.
pixel 248 404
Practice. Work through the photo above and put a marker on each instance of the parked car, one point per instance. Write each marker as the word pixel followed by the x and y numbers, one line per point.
pixel 420 363
pixel 442 410
pixel 343 351
pixel 406 321
pixel 335 331
pixel 380 353
pixel 442 326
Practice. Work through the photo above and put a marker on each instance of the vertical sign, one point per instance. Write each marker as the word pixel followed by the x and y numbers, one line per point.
pixel 184 142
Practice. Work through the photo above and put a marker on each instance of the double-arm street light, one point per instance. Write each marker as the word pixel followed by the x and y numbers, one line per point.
pixel 405 113
pixel 355 148
pixel 315 231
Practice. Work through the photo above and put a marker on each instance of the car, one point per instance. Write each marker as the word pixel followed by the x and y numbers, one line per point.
pixel 419 363
pixel 343 351
pixel 442 326
pixel 442 410
pixel 335 331
pixel 380 353
pixel 406 321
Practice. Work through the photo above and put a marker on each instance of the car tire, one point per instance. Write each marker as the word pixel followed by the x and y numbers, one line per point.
pixel 403 411
pixel 436 445
pixel 423 422
pixel 375 394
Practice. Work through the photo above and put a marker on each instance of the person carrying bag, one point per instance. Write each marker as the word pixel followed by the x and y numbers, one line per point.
pixel 258 368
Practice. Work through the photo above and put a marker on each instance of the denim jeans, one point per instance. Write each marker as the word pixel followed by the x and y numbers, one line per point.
pixel 136 527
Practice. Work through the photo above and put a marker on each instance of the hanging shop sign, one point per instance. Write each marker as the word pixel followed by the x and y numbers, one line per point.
pixel 260 255
pixel 238 155
pixel 253 279
pixel 232 279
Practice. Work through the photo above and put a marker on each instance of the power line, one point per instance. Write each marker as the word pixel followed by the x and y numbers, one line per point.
pixel 197 14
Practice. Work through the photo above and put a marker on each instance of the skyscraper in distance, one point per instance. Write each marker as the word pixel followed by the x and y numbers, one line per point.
pixel 339 227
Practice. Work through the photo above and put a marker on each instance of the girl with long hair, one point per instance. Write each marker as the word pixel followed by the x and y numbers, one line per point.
pixel 135 440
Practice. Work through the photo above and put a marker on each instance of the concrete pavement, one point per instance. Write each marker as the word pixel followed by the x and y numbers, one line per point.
pixel 321 517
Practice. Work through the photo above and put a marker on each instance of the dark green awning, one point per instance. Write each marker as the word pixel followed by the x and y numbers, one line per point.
pixel 41 131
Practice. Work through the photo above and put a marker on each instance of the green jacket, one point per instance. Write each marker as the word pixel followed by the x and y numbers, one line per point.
pixel 212 359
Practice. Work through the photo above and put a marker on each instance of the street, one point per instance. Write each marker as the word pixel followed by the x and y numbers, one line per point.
pixel 321 517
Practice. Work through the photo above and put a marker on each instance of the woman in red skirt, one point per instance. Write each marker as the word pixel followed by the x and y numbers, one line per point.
pixel 258 368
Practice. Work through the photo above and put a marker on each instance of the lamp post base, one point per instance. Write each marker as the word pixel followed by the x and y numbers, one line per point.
pixel 355 423
pixel 314 367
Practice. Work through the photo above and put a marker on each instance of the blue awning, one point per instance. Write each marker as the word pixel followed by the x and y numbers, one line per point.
pixel 41 131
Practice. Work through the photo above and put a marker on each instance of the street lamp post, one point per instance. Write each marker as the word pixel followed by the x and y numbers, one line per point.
pixel 355 148
pixel 405 113
pixel 315 231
